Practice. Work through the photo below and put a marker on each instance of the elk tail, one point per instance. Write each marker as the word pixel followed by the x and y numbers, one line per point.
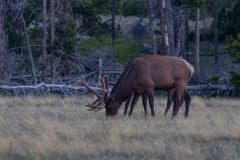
pixel 189 66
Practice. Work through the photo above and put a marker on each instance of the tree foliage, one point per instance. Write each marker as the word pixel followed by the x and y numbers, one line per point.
pixel 229 23
pixel 91 20
pixel 233 47
pixel 190 3
pixel 236 81
pixel 135 8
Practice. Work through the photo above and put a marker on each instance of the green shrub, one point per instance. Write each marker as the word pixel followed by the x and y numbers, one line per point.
pixel 126 49
pixel 233 48
pixel 90 10
pixel 135 8
pixel 236 81
pixel 95 42
pixel 229 20
pixel 213 80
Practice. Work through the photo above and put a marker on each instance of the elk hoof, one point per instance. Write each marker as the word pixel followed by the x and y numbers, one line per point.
pixel 173 117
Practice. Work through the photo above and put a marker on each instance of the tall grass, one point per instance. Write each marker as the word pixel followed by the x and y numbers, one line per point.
pixel 55 128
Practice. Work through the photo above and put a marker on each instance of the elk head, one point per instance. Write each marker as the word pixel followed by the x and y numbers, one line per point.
pixel 111 105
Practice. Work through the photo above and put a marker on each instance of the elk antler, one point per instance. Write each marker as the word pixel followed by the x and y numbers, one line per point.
pixel 96 105
pixel 105 80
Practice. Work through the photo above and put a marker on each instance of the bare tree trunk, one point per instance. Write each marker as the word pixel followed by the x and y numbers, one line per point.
pixel 215 26
pixel 28 49
pixel 154 45
pixel 53 58
pixel 183 52
pixel 187 38
pixel 184 36
pixel 170 26
pixel 44 41
pixel 167 29
pixel 3 46
pixel 113 31
pixel 181 36
pixel 99 70
pixel 65 67
pixel 197 36
pixel 65 15
pixel 164 29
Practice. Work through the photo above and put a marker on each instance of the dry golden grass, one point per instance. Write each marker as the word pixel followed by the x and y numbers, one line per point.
pixel 55 128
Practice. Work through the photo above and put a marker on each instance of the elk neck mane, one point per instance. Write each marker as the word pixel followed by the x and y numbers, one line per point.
pixel 124 74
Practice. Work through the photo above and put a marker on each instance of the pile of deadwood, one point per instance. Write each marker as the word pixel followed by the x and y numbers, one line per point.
pixel 69 86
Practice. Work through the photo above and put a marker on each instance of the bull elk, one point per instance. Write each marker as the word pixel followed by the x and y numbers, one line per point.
pixel 143 75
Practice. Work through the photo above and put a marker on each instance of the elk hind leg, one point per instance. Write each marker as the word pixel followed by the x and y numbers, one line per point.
pixel 144 102
pixel 150 95
pixel 187 100
pixel 177 96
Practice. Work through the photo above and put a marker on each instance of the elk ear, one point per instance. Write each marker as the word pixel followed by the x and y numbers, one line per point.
pixel 106 97
pixel 109 98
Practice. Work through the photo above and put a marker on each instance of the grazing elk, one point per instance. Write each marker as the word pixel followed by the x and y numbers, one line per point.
pixel 170 94
pixel 143 75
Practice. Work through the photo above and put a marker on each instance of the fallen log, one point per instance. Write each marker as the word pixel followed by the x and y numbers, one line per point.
pixel 211 90
pixel 8 87
pixel 43 88
pixel 210 87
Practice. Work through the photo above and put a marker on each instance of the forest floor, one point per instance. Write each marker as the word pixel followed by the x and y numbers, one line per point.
pixel 56 128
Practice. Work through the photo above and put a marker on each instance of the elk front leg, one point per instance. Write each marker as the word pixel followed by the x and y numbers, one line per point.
pixel 127 104
pixel 133 103
pixel 169 101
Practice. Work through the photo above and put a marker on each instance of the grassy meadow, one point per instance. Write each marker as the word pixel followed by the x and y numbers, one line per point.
pixel 55 128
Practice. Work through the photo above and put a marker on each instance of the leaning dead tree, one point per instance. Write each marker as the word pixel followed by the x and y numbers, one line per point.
pixel 16 9
pixel 28 49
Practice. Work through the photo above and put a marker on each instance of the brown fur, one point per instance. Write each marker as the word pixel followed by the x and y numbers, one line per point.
pixel 144 75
